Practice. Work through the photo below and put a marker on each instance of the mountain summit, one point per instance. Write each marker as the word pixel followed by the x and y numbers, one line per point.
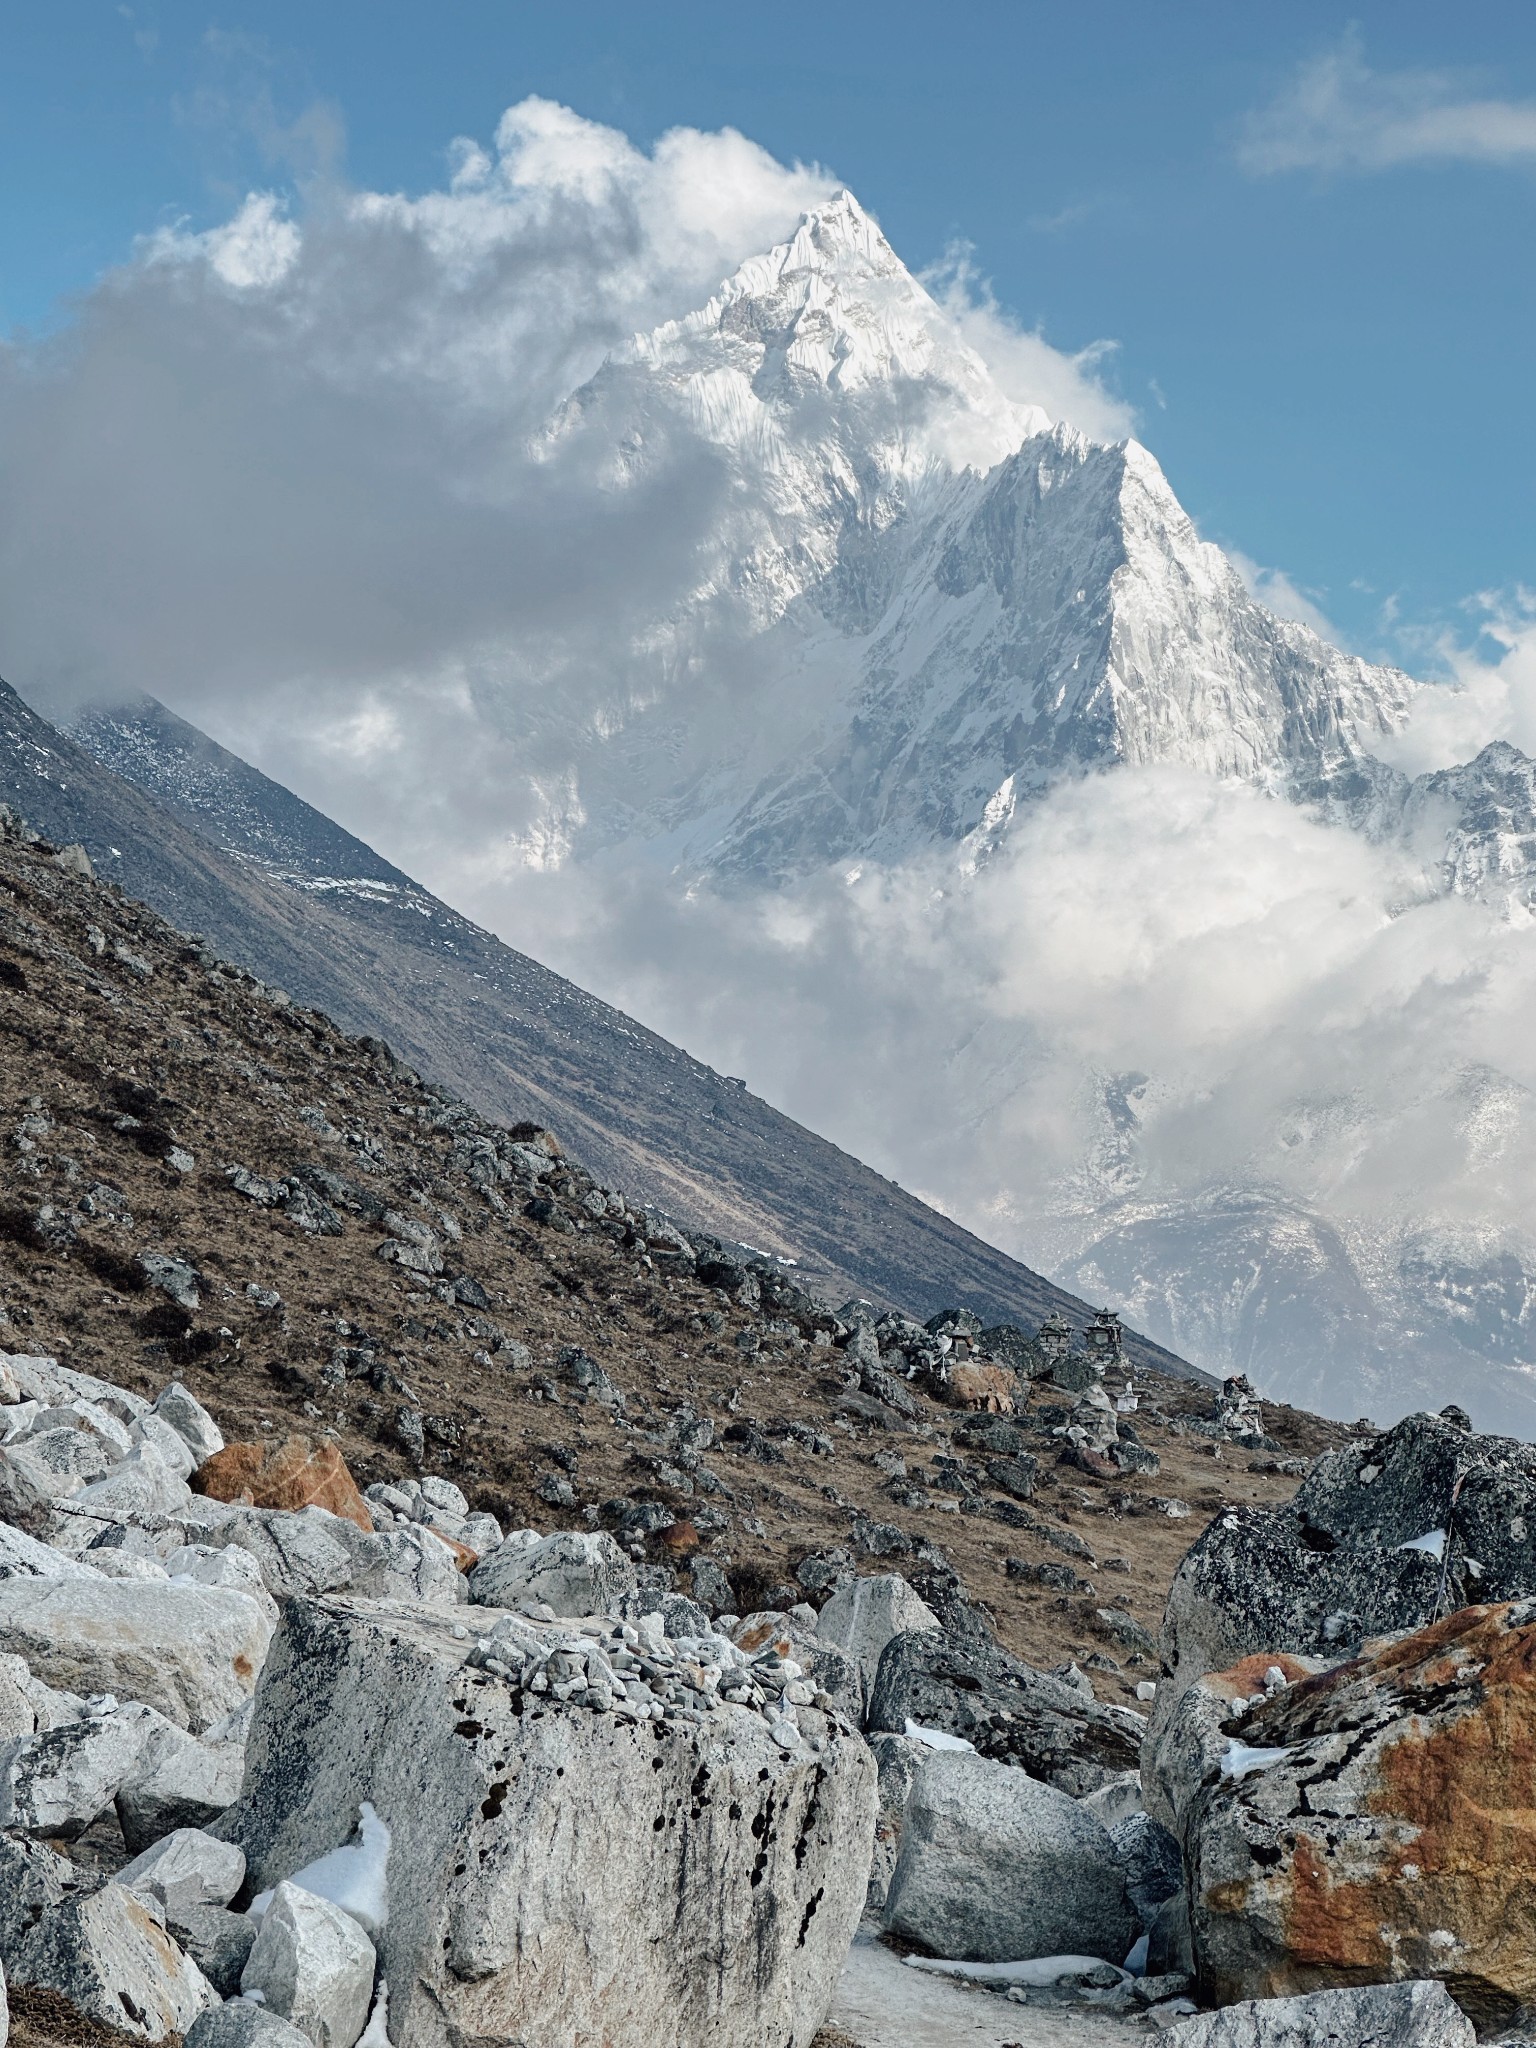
pixel 914 616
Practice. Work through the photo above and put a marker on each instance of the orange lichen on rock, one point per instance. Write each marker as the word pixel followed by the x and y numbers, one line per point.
pixel 1398 1835
pixel 1246 1677
pixel 981 1387
pixel 294 1474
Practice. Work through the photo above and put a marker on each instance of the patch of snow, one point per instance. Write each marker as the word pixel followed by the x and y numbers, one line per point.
pixel 936 1738
pixel 1241 1762
pixel 1035 1973
pixel 354 1876
pixel 1432 1543
pixel 376 2033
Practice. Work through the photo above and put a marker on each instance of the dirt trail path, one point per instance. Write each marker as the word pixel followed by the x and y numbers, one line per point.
pixel 880 2003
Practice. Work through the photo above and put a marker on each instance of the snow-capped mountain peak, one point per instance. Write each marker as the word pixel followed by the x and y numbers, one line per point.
pixel 833 312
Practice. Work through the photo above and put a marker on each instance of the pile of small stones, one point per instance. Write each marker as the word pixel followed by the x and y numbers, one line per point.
pixel 634 1671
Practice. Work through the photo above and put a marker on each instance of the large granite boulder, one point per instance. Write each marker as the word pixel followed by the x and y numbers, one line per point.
pixel 112 1960
pixel 996 1867
pixel 1371 1822
pixel 589 1828
pixel 1384 1533
pixel 571 1572
pixel 969 1686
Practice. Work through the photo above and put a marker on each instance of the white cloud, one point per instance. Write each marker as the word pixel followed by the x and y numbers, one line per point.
pixel 252 252
pixel 1028 369
pixel 1276 591
pixel 1338 114
pixel 1488 692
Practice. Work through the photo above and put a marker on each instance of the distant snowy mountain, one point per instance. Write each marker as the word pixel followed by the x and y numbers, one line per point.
pixel 922 609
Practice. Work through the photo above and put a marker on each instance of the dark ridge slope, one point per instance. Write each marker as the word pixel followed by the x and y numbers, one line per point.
pixel 281 890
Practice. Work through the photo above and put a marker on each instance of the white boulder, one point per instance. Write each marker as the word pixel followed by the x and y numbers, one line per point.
pixel 110 1958
pixel 45 1380
pixel 179 1781
pixel 173 1447
pixel 194 1652
pixel 1416 2014
pixel 862 1616
pixel 191 1422
pixel 142 1487
pixel 187 1870
pixel 243 2024
pixel 23 1557
pixel 313 1965
pixel 54 1784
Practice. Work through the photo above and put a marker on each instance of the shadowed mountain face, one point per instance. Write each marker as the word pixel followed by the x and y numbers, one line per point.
pixel 273 885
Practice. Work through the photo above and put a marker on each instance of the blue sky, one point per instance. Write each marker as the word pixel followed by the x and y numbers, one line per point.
pixel 1309 232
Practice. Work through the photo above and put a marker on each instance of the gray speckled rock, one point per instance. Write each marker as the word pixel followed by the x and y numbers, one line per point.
pixel 113 1961
pixel 54 1784
pixel 1329 1569
pixel 1010 1712
pixel 557 1872
pixel 1414 2015
pixel 996 1867
pixel 192 1652
pixel 572 1573
pixel 219 1942
pixel 179 1781
pixel 243 2024
pixel 186 1870
pixel 862 1616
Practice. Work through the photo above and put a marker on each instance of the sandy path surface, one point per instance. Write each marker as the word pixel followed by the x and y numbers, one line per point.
pixel 880 2003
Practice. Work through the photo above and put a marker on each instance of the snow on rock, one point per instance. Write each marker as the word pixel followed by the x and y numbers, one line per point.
pixel 355 1876
pixel 1036 1974
pixel 936 1738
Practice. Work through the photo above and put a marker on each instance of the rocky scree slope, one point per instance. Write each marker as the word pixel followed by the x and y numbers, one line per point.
pixel 274 885
pixel 204 1179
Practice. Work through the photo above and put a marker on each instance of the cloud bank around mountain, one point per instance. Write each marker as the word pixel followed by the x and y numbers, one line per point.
pixel 289 474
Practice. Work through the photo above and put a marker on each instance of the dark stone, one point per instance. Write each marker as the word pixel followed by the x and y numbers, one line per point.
pixel 992 1433
pixel 1008 1710
pixel 468 1292
pixel 1149 1856
pixel 542 1210
pixel 1016 1476
pixel 1008 1344
pixel 219 1943
pixel 954 1322
pixel 1328 1569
